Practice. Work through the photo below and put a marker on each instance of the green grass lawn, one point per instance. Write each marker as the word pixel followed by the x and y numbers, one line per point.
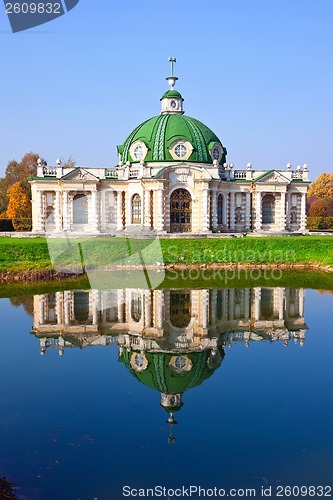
pixel 33 254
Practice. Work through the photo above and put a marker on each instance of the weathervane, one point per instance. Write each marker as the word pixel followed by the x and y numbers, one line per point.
pixel 172 79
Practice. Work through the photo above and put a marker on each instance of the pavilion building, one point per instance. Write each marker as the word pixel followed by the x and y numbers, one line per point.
pixel 172 177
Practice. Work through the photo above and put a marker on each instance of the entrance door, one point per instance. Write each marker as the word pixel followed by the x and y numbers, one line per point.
pixel 180 211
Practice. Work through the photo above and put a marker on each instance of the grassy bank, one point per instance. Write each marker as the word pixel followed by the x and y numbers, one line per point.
pixel 33 254
pixel 184 279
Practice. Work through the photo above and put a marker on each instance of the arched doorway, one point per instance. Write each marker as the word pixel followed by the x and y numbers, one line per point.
pixel 268 209
pixel 180 211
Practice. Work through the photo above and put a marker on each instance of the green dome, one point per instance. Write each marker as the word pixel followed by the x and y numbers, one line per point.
pixel 160 132
pixel 172 93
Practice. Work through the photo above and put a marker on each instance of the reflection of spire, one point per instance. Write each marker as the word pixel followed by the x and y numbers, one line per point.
pixel 171 421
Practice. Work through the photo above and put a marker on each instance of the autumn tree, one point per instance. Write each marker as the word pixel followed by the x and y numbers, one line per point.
pixel 322 187
pixel 320 196
pixel 3 197
pixel 19 207
pixel 318 207
pixel 18 172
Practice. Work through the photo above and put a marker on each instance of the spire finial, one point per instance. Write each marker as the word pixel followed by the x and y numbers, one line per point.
pixel 172 60
pixel 172 79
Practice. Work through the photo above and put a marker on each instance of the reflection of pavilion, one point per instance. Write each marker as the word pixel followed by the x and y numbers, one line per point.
pixel 168 320
pixel 170 340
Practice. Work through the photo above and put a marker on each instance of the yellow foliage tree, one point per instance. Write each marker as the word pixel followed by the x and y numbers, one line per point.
pixel 322 187
pixel 19 207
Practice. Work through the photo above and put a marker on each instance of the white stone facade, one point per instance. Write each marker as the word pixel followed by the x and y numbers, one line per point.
pixel 173 198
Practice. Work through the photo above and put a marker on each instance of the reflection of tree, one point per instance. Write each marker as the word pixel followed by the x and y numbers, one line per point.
pixel 7 490
pixel 26 301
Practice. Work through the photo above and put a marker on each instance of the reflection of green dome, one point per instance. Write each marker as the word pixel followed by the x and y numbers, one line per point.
pixel 159 376
pixel 160 132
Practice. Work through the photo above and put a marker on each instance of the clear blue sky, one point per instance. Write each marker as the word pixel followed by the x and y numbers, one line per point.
pixel 258 72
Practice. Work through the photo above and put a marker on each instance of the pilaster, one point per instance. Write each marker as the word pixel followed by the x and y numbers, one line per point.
pixel 120 226
pixel 258 221
pixel 303 212
pixel 232 211
pixel 214 209
pixel 57 212
pixel 160 209
pixel 282 211
pixel 204 213
pixel 65 201
pixel 248 211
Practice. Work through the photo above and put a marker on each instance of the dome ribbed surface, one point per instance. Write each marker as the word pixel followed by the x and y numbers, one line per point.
pixel 158 134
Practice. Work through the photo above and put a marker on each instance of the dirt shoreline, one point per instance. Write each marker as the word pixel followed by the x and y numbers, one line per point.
pixel 32 276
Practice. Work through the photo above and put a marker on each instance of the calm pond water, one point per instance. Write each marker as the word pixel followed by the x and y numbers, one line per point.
pixel 92 383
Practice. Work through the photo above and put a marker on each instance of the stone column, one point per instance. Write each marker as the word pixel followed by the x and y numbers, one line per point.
pixel 95 306
pixel 160 209
pixel 120 226
pixel 127 210
pixel 246 304
pixel 147 296
pixel 40 211
pixel 214 208
pixel 248 211
pixel 231 304
pixel 205 301
pixel 281 303
pixel 204 210
pixel 288 206
pixel 303 213
pixel 301 302
pixel 41 309
pixel 159 302
pixel 103 210
pixel 146 210
pixel 283 211
pixel 213 306
pixel 59 296
pixel 257 299
pixel 94 211
pixel 66 221
pixel 232 212
pixel 57 212
pixel 258 223
pixel 67 299
pixel 121 301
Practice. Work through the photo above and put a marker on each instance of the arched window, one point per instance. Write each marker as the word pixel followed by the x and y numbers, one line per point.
pixel 268 209
pixel 80 209
pixel 136 209
pixel 220 209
